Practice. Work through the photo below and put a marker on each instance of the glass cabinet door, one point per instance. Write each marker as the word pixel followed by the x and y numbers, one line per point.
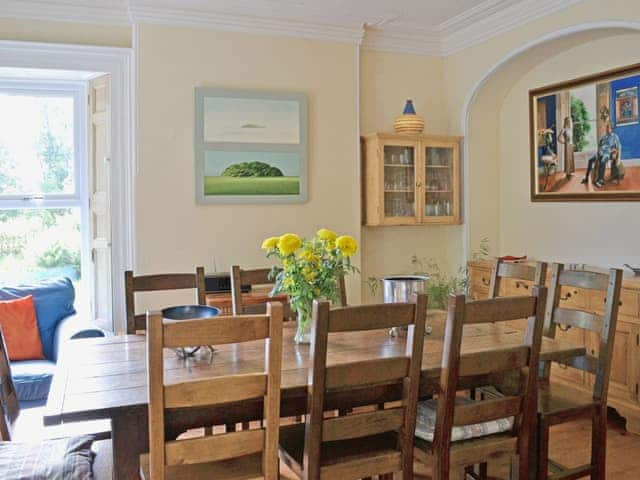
pixel 439 182
pixel 399 181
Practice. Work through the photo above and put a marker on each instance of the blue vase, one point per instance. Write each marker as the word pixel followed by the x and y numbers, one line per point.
pixel 408 108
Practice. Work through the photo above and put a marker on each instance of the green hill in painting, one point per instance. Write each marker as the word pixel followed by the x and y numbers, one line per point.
pixel 251 178
pixel 251 169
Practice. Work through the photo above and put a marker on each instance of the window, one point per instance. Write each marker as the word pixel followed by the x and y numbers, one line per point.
pixel 43 206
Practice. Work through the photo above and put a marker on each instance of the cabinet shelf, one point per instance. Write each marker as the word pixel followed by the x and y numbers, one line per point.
pixel 383 205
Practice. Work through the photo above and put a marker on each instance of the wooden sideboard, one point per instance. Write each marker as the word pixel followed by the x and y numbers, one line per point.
pixel 624 385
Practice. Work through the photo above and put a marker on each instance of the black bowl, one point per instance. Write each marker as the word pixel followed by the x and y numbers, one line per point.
pixel 188 312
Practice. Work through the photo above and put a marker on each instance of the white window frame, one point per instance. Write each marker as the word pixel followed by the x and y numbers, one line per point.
pixel 76 90
pixel 119 63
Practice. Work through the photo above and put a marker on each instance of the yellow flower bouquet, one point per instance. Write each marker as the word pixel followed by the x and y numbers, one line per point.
pixel 309 269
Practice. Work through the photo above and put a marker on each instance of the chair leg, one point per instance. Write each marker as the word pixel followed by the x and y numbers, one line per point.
pixel 483 471
pixel 514 470
pixel 543 449
pixel 599 444
pixel 230 427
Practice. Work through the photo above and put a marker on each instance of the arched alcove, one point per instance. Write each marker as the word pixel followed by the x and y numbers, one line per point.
pixel 496 127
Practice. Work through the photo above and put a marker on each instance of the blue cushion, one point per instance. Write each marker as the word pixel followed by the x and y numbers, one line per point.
pixel 53 300
pixel 32 378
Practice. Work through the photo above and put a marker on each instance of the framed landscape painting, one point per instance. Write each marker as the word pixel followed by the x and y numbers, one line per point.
pixel 585 138
pixel 250 146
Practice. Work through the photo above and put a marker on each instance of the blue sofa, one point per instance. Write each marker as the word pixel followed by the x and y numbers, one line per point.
pixel 58 323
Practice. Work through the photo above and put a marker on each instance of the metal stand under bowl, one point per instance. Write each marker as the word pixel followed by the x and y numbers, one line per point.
pixel 190 312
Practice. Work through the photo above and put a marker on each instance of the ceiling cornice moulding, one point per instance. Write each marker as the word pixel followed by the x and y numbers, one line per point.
pixel 418 41
pixel 68 12
pixel 476 25
pixel 247 24
pixel 493 18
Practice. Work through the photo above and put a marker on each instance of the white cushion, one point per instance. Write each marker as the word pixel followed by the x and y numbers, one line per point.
pixel 426 423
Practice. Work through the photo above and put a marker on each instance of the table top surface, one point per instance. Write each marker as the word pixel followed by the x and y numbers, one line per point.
pixel 96 377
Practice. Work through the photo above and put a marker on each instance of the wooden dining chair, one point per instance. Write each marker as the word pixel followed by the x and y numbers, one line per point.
pixel 456 432
pixel 156 283
pixel 260 277
pixel 362 444
pixel 9 416
pixel 559 403
pixel 521 272
pixel 246 454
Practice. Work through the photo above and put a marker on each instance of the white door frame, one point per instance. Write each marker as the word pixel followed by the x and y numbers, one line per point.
pixel 119 64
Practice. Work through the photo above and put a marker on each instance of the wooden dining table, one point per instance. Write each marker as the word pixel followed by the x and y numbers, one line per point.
pixel 105 378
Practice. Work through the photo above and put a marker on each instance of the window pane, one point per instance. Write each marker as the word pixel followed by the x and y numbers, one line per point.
pixel 36 145
pixel 39 244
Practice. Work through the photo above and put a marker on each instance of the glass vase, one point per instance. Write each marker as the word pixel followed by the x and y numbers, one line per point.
pixel 303 332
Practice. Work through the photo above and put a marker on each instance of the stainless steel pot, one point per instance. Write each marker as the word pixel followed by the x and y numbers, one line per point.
pixel 400 288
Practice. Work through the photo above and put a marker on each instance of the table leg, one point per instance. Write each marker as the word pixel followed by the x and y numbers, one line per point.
pixel 130 437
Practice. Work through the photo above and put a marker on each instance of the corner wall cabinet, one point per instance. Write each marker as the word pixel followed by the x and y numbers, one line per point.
pixel 624 383
pixel 410 180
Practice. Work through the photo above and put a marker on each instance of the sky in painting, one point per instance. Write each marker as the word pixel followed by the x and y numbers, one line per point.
pixel 216 161
pixel 251 120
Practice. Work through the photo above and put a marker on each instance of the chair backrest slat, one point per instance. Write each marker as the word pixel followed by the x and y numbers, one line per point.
pixel 518 271
pixel 362 318
pixel 578 318
pixel 156 283
pixel 586 363
pixel 493 361
pixel 247 278
pixel 462 370
pixel 224 330
pixel 367 372
pixel 264 384
pixel 499 309
pixel 404 369
pixel 9 405
pixel 583 279
pixel 362 425
pixel 230 388
pixel 214 448
pixel 605 326
pixel 487 410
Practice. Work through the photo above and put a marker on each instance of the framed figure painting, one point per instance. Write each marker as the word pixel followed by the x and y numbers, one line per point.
pixel 585 138
pixel 250 146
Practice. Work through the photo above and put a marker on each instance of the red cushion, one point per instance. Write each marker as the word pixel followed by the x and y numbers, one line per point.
pixel 20 329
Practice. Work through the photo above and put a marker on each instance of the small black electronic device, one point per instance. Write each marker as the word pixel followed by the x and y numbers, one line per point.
pixel 220 283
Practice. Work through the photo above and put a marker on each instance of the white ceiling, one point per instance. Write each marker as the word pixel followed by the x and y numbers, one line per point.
pixel 414 26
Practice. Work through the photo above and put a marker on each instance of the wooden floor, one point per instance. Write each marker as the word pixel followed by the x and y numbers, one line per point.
pixel 570 445
pixel 558 183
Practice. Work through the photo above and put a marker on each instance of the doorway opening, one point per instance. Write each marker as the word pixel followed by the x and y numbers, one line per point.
pixel 55 183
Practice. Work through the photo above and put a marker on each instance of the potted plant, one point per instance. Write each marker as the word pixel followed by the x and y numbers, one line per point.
pixel 309 269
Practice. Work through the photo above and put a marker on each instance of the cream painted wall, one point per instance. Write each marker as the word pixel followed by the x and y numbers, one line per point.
pixel 172 232
pixel 386 81
pixel 64 32
pixel 466 75
pixel 603 234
